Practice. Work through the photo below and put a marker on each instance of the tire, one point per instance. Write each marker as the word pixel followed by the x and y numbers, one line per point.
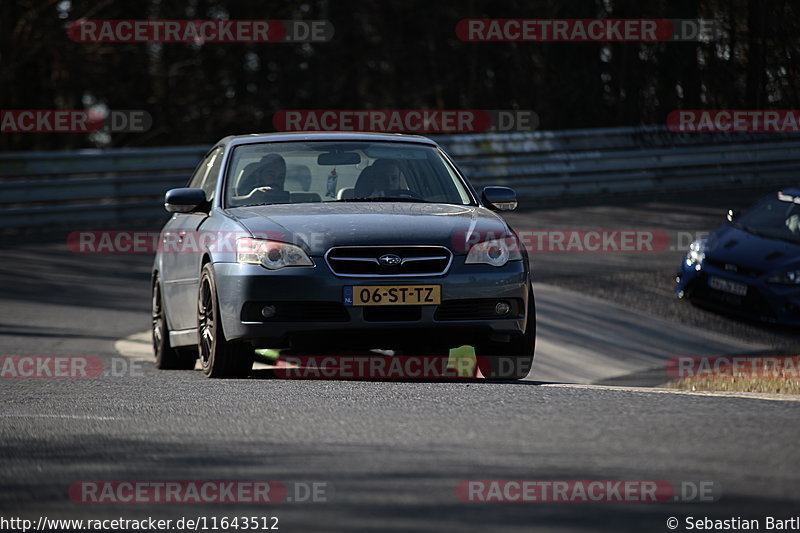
pixel 219 357
pixel 510 360
pixel 167 357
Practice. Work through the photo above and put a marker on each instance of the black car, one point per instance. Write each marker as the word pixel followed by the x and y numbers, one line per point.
pixel 338 240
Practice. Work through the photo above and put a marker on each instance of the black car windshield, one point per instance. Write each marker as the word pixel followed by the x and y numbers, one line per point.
pixel 349 171
pixel 776 217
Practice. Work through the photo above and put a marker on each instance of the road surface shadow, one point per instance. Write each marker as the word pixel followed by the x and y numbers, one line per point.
pixel 396 491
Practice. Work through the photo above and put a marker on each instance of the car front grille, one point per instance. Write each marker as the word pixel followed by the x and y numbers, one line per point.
pixel 358 261
pixel 732 267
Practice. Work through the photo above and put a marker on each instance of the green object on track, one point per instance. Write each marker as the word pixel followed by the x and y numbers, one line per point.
pixel 463 360
pixel 268 355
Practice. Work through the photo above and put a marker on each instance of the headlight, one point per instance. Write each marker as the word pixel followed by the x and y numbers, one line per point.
pixel 697 252
pixel 496 252
pixel 270 254
pixel 792 277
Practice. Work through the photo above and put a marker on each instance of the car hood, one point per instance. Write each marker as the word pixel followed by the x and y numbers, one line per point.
pixel 737 246
pixel 319 226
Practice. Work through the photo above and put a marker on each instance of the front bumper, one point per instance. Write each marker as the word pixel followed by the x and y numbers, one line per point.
pixel 240 287
pixel 767 302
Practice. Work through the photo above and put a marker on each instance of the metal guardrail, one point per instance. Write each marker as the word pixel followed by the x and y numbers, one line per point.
pixel 609 161
pixel 39 189
pixel 113 186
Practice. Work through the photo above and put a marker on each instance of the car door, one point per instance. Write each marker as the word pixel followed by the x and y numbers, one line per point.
pixel 181 250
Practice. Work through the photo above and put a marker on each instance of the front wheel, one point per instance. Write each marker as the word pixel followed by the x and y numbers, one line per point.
pixel 219 357
pixel 510 360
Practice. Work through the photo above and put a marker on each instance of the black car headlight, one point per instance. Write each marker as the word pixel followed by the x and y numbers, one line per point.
pixel 273 255
pixel 696 254
pixel 496 252
pixel 790 277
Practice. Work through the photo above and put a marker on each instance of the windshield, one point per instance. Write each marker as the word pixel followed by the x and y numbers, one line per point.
pixel 777 217
pixel 302 172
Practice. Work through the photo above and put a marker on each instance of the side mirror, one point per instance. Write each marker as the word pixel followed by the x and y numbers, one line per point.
pixel 732 215
pixel 185 200
pixel 499 198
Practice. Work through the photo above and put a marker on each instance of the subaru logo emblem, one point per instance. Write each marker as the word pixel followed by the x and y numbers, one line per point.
pixel 390 260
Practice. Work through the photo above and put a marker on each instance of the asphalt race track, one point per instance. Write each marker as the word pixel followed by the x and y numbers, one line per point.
pixel 391 455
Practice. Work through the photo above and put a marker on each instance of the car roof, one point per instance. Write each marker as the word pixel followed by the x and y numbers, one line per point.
pixel 325 136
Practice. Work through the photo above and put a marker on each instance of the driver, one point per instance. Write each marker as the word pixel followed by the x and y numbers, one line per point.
pixel 388 177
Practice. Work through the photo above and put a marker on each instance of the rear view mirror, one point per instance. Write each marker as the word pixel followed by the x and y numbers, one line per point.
pixel 185 200
pixel 499 198
pixel 338 158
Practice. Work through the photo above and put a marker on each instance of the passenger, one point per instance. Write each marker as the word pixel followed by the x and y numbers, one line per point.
pixel 268 174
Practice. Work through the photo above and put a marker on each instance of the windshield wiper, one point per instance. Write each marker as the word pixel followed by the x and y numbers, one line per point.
pixel 262 203
pixel 382 199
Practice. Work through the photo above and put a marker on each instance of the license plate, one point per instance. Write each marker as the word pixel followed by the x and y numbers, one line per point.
pixel 726 285
pixel 360 295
